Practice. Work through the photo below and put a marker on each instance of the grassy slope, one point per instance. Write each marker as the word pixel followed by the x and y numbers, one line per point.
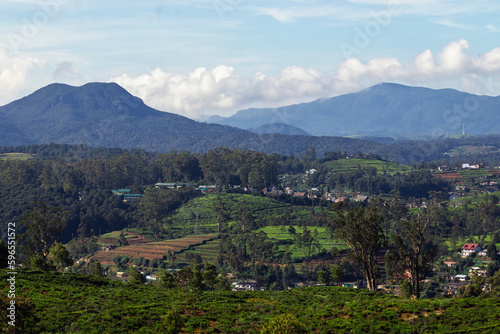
pixel 346 165
pixel 275 232
pixel 70 304
pixel 474 200
pixel 18 156
pixel 183 220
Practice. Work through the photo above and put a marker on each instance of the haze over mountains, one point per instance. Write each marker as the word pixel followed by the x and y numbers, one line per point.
pixel 383 110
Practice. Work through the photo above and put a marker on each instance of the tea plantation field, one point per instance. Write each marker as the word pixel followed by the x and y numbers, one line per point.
pixel 50 302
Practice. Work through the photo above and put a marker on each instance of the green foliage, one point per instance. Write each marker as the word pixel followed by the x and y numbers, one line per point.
pixel 96 269
pixel 135 277
pixel 307 242
pixel 60 256
pixel 210 274
pixel 474 288
pixel 44 227
pixel 321 277
pixel 171 323
pixel 166 280
pixel 405 288
pixel 120 260
pixel 22 315
pixel 38 262
pixel 222 283
pixel 336 273
pixel 158 203
pixel 196 283
pixel 347 165
pixel 494 283
pixel 284 324
pixel 122 241
pixel 362 231
pixel 411 249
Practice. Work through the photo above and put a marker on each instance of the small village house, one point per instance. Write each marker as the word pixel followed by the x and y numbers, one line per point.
pixel 468 249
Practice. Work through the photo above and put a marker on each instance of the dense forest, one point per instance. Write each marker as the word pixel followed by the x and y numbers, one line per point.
pixel 460 149
pixel 79 180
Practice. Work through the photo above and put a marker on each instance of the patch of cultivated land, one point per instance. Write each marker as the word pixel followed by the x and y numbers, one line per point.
pixel 471 173
pixel 448 175
pixel 208 251
pixel 152 250
pixel 18 156
pixel 113 238
pixel 347 165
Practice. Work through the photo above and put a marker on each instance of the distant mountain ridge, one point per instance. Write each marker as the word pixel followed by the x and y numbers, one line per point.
pixel 383 110
pixel 106 115
pixel 279 128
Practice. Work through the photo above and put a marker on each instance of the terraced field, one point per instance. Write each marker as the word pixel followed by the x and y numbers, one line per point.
pixel 112 238
pixel 208 251
pixel 471 173
pixel 152 250
pixel 347 165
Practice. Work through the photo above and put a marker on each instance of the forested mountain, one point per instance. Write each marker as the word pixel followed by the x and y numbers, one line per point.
pixel 106 115
pixel 383 110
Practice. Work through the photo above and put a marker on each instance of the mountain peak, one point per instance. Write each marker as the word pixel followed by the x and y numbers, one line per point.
pixel 103 114
pixel 390 86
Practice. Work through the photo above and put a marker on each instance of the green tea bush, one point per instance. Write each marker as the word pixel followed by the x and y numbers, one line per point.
pixel 283 324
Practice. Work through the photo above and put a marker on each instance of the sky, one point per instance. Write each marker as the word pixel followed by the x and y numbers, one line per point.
pixel 199 58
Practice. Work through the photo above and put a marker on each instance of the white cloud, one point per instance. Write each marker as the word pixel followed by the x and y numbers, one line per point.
pixel 15 70
pixel 66 71
pixel 286 15
pixel 451 63
pixel 222 90
pixel 353 10
pixel 492 28
pixel 447 22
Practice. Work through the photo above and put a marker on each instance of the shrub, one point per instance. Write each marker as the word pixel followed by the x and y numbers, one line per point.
pixel 171 323
pixel 135 277
pixel 283 324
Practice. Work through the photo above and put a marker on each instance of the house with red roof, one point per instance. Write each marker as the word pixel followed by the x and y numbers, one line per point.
pixel 468 249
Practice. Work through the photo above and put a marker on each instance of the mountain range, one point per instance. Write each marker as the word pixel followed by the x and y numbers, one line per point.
pixel 383 110
pixel 106 115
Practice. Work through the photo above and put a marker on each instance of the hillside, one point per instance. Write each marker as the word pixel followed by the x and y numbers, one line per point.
pixel 383 110
pixel 279 128
pixel 106 115
pixel 103 114
pixel 55 303
pixel 152 250
pixel 383 167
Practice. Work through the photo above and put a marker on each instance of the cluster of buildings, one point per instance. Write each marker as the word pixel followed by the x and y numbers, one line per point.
pixel 457 281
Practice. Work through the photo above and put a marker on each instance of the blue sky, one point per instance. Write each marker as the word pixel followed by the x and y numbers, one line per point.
pixel 207 57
